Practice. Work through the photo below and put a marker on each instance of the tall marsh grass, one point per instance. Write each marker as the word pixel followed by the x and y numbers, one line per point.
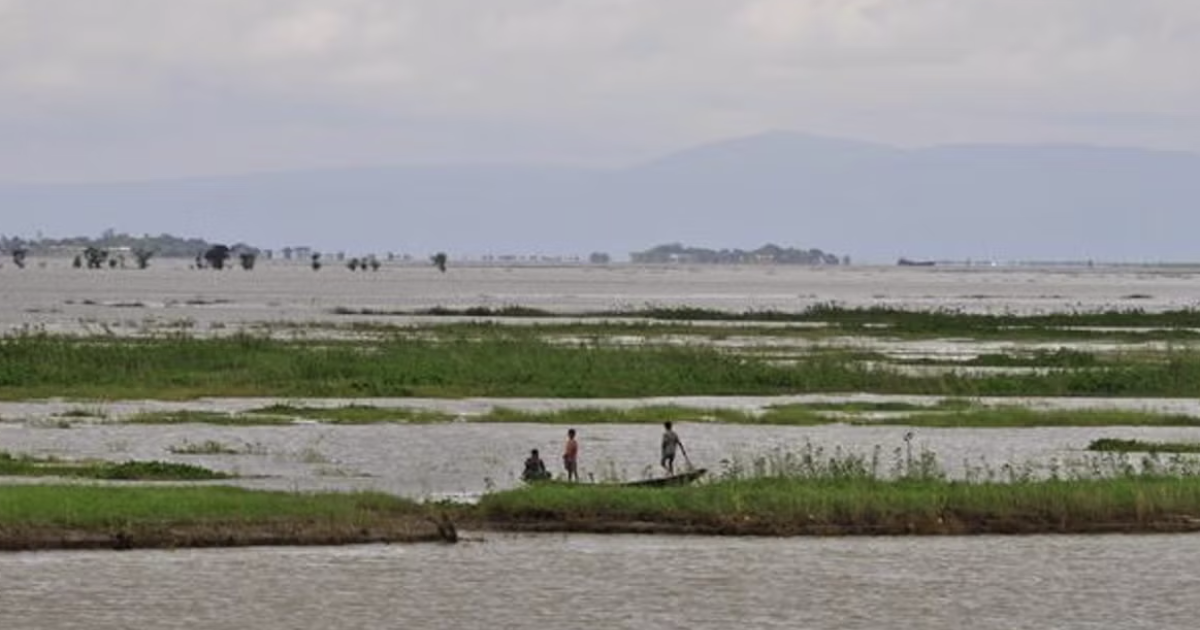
pixel 905 490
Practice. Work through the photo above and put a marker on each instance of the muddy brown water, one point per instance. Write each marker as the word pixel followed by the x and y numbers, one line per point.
pixel 621 582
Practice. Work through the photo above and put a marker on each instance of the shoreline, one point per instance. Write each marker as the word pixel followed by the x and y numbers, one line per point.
pixel 183 536
pixel 751 529
pixel 424 531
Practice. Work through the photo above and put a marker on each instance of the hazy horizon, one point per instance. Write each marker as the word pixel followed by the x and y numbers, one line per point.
pixel 108 91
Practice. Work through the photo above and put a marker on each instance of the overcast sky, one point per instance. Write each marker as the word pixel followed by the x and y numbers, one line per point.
pixel 132 89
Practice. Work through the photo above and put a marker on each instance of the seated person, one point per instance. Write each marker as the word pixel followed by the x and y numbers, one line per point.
pixel 535 468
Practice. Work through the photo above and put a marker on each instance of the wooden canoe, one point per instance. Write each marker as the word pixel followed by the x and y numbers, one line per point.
pixel 679 479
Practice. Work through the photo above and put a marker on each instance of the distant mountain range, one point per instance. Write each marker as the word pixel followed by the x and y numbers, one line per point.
pixel 873 202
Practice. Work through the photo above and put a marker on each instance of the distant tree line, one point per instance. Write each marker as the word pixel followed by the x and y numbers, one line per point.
pixel 772 254
pixel 163 245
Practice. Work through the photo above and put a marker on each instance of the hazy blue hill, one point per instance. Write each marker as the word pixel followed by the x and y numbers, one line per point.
pixel 771 153
pixel 871 201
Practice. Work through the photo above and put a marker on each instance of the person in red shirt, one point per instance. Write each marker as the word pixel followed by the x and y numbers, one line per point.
pixel 571 456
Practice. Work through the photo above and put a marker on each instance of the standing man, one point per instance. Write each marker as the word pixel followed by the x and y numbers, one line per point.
pixel 571 456
pixel 670 442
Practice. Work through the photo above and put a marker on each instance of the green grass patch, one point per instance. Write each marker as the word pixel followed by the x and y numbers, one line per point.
pixel 355 414
pixel 883 406
pixel 506 362
pixel 193 416
pixel 783 506
pixel 107 506
pixel 26 466
pixel 1059 358
pixel 214 447
pixel 1139 446
pixel 652 414
pixel 879 320
pixel 1007 417
pixel 814 490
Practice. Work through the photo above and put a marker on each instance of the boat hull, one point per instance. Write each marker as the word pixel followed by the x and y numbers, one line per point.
pixel 680 479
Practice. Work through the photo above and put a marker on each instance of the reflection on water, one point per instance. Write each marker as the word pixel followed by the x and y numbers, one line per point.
pixel 618 582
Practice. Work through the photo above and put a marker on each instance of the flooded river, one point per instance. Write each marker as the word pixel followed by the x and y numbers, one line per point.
pixel 621 582
pixel 554 581
pixel 58 298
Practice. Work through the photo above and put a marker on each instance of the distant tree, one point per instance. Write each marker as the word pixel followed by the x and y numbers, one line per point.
pixel 18 257
pixel 353 264
pixel 78 262
pixel 599 258
pixel 247 259
pixel 373 262
pixel 767 254
pixel 439 261
pixel 95 257
pixel 216 256
pixel 142 256
pixel 316 261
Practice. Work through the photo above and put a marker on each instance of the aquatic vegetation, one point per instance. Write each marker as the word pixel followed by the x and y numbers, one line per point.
pixel 354 414
pixel 858 406
pixel 1139 446
pixel 83 412
pixel 214 447
pixel 1057 358
pixel 195 416
pixel 1013 416
pixel 651 414
pixel 27 466
pixel 874 321
pixel 153 471
pixel 518 361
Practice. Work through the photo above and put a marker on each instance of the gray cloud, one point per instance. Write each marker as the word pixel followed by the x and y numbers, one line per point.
pixel 127 88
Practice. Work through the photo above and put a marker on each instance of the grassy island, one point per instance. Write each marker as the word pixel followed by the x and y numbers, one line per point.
pixel 85 517
pixel 816 492
pixel 789 507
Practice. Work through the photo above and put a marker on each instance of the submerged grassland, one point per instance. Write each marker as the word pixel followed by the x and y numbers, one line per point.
pixel 830 318
pixel 29 466
pixel 508 361
pixel 1129 486
pixel 942 413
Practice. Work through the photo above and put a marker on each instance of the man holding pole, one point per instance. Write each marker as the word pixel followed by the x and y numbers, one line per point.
pixel 670 443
